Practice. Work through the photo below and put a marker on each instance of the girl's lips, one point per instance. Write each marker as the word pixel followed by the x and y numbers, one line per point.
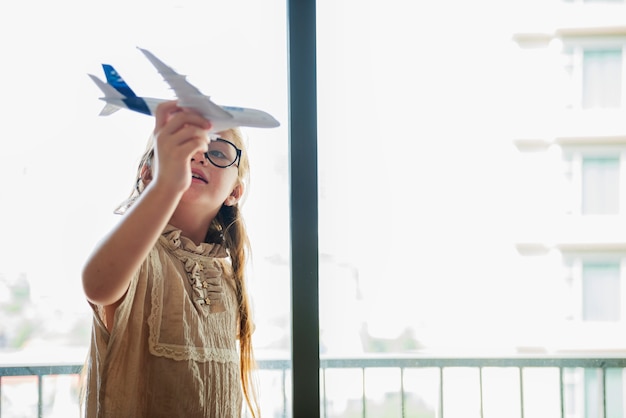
pixel 198 175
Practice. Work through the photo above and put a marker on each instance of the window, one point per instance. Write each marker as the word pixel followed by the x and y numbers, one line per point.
pixel 600 185
pixel 601 292
pixel 593 288
pixel 585 389
pixel 592 181
pixel 602 78
pixel 593 1
pixel 593 71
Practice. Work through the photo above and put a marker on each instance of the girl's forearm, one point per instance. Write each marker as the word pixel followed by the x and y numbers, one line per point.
pixel 119 255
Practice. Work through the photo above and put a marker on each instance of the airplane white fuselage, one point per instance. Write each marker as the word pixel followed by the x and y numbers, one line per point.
pixel 240 116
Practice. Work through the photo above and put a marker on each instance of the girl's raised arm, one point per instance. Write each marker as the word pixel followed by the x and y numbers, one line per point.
pixel 110 268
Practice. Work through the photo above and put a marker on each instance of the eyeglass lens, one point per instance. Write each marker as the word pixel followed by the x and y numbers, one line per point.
pixel 221 153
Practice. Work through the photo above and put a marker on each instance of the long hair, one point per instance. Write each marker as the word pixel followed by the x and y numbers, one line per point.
pixel 228 228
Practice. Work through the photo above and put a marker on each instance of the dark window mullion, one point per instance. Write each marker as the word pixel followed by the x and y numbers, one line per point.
pixel 301 28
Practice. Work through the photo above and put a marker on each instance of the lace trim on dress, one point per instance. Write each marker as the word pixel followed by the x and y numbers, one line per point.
pixel 204 273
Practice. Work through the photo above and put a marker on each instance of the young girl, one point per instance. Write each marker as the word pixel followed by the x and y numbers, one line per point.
pixel 167 284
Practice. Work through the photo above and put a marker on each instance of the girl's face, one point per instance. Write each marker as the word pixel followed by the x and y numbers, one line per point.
pixel 213 186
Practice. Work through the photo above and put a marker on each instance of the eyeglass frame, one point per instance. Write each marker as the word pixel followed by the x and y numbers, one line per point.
pixel 237 150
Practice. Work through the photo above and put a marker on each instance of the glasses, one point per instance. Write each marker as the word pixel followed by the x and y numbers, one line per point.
pixel 222 153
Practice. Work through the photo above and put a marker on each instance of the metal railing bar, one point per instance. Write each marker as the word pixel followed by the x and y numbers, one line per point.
pixel 363 393
pixel 562 391
pixel 402 405
pixel 603 374
pixel 521 391
pixel 40 396
pixel 440 392
pixel 27 370
pixel 369 362
pixel 283 384
pixel 480 388
pixel 324 393
pixel 573 362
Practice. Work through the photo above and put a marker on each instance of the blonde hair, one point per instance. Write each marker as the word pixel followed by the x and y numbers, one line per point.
pixel 227 228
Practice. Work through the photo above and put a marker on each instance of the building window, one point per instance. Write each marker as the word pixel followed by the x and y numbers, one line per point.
pixel 594 286
pixel 592 70
pixel 602 78
pixel 600 185
pixel 593 1
pixel 591 182
pixel 601 291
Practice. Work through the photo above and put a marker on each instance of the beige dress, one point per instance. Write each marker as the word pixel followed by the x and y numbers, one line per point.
pixel 169 353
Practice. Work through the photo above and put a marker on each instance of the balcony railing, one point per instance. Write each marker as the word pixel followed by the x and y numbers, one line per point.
pixel 600 398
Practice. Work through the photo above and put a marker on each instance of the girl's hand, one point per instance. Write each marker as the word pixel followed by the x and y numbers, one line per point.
pixel 178 135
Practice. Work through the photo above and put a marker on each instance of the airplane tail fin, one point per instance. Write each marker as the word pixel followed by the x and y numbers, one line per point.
pixel 116 80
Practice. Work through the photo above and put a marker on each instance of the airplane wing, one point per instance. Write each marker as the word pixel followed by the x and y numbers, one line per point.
pixel 188 95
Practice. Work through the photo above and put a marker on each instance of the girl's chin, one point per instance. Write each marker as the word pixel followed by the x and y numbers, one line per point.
pixel 194 195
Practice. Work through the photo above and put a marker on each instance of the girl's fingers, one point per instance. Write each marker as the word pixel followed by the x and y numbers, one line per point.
pixel 163 112
pixel 170 118
pixel 192 145
pixel 187 136
pixel 179 134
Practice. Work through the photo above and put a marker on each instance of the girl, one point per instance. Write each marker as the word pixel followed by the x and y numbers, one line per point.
pixel 167 284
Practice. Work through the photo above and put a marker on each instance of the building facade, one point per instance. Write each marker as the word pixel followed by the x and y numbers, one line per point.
pixel 572 153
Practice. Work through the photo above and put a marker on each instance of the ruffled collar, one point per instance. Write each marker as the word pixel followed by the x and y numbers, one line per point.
pixel 172 237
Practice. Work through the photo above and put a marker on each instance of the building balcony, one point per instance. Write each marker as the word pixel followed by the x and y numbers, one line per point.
pixel 555 126
pixel 569 233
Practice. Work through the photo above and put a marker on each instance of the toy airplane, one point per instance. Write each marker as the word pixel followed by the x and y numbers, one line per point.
pixel 118 95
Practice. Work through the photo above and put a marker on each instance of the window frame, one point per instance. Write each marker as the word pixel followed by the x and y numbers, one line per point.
pixel 301 26
pixel 574 263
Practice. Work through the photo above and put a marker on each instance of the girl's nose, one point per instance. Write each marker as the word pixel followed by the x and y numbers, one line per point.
pixel 199 157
